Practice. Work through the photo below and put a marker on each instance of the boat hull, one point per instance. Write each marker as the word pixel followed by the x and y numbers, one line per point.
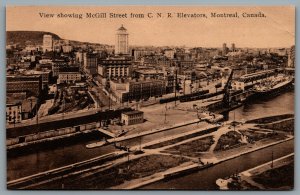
pixel 273 92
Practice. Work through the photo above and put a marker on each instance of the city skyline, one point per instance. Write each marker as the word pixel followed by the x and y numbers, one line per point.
pixel 276 30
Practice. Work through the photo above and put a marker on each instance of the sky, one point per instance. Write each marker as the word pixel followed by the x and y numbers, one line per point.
pixel 277 29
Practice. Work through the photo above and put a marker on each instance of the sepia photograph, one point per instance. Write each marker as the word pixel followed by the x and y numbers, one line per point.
pixel 150 97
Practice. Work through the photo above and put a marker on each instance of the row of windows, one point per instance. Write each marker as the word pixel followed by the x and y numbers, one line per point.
pixel 117 73
pixel 15 108
pixel 14 112
pixel 133 121
pixel 70 77
pixel 116 62
pixel 135 116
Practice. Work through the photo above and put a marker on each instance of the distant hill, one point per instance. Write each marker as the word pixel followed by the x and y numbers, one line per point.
pixel 21 37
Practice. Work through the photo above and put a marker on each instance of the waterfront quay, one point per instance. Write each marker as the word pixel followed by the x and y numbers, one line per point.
pixel 170 138
pixel 189 159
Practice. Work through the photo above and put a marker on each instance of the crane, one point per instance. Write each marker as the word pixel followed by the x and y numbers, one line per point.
pixel 227 87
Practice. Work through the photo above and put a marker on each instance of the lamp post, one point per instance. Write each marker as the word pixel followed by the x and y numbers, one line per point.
pixel 272 164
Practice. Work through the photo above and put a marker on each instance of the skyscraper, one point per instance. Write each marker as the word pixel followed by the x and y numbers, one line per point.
pixel 47 43
pixel 233 47
pixel 224 49
pixel 121 46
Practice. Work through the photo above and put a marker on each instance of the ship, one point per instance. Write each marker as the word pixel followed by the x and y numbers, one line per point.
pixel 273 86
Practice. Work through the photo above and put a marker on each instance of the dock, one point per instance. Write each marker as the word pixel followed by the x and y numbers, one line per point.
pixel 110 134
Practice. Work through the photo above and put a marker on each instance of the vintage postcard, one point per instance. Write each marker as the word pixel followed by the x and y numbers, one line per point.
pixel 150 97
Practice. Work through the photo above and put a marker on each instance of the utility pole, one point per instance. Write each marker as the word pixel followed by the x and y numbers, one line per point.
pixel 272 165
pixel 166 113
pixel 109 100
pixel 128 159
pixel 175 85
pixel 140 143
pixel 184 86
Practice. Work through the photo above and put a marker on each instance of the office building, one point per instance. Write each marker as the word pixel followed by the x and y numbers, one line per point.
pixel 31 84
pixel 90 61
pixel 47 43
pixel 121 46
pixel 114 68
pixel 233 49
pixel 137 90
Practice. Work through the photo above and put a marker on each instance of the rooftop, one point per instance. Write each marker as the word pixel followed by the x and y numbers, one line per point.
pixel 133 112
pixel 122 28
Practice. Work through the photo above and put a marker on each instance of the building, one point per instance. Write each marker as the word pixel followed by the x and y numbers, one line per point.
pixel 79 57
pixel 139 53
pixel 44 74
pixel 170 53
pixel 67 48
pixel 47 43
pixel 13 113
pixel 149 74
pixel 14 107
pixel 170 83
pixel 40 67
pixel 90 61
pixel 121 46
pixel 132 117
pixel 247 81
pixel 30 107
pixel 224 49
pixel 30 48
pixel 68 75
pixel 136 90
pixel 31 84
pixel 114 68
pixel 233 49
pixel 185 65
pixel 57 64
pixel 291 57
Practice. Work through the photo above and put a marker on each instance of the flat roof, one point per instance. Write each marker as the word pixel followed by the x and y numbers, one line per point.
pixel 256 74
pixel 133 112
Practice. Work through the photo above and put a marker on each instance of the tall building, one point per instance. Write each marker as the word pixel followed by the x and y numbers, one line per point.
pixel 47 43
pixel 90 61
pixel 121 46
pixel 233 47
pixel 224 49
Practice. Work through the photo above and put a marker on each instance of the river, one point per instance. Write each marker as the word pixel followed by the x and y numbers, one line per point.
pixel 61 154
pixel 206 179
